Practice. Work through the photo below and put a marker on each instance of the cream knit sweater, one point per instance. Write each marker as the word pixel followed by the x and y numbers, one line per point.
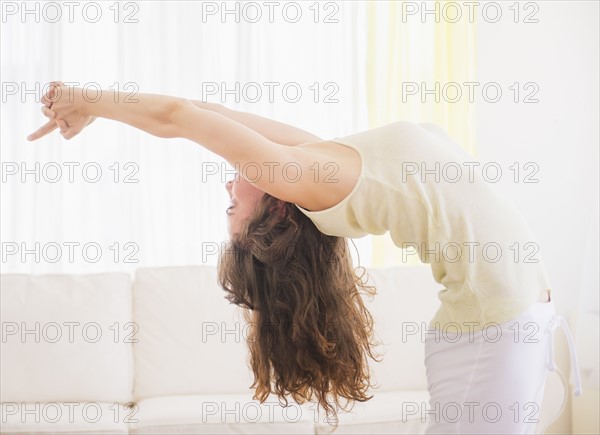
pixel 419 185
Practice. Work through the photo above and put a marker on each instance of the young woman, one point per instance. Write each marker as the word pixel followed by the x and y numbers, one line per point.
pixel 489 346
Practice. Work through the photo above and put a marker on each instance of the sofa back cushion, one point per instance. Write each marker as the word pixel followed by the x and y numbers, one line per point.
pixel 66 338
pixel 191 340
pixel 406 301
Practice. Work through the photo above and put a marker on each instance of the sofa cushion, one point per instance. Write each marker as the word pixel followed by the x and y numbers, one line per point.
pixel 397 412
pixel 406 301
pixel 65 417
pixel 191 340
pixel 66 338
pixel 220 414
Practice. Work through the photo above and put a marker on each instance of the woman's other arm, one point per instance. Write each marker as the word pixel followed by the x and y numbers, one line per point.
pixel 275 131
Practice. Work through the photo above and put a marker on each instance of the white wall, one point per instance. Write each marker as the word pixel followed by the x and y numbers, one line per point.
pixel 559 133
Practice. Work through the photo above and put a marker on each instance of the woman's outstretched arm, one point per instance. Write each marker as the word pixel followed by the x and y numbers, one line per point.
pixel 260 160
pixel 162 116
pixel 275 131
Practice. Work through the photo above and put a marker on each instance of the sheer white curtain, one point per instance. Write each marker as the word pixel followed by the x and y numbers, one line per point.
pixel 156 202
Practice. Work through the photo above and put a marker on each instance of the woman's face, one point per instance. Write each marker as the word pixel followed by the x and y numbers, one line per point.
pixel 244 199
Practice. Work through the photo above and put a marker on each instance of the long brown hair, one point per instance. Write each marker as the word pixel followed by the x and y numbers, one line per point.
pixel 309 331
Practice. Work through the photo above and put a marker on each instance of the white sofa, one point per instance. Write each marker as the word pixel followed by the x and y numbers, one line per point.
pixel 166 353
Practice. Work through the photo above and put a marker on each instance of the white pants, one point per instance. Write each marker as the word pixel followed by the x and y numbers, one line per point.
pixel 492 381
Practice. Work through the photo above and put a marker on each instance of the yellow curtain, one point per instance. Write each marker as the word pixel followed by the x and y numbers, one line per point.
pixel 408 55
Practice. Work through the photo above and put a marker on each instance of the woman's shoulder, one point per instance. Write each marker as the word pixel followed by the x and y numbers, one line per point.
pixel 335 170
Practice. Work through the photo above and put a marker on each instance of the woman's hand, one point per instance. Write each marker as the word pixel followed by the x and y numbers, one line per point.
pixel 65 107
pixel 71 110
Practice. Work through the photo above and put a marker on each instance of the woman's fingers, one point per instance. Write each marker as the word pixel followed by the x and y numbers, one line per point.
pixel 49 97
pixel 62 124
pixel 47 112
pixel 43 130
pixel 66 131
pixel 57 114
pixel 52 95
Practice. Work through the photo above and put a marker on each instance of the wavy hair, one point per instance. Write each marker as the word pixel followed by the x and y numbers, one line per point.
pixel 310 334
